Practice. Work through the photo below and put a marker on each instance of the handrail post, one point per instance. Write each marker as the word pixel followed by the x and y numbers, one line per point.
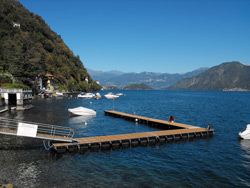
pixel 51 131
pixel 54 132
pixel 43 130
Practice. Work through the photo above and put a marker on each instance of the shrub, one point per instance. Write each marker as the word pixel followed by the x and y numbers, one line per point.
pixel 9 85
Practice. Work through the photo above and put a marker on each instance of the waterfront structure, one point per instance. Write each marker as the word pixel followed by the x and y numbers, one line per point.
pixel 49 84
pixel 172 132
pixel 16 96
pixel 37 84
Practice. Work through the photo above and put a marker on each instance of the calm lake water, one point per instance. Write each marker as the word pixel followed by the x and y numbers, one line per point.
pixel 220 161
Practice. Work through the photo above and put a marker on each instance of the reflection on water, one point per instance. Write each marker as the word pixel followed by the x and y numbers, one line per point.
pixel 79 124
pixel 80 119
pixel 220 161
pixel 245 145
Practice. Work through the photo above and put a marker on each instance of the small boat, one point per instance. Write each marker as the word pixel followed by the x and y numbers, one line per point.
pixel 86 95
pixel 98 96
pixel 119 94
pixel 59 93
pixel 111 96
pixel 81 111
pixel 245 134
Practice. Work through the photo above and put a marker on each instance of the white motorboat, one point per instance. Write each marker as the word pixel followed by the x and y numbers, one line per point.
pixel 98 96
pixel 81 111
pixel 119 94
pixel 111 96
pixel 59 93
pixel 245 134
pixel 86 95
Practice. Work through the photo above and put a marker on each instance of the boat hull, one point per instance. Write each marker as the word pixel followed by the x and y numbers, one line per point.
pixel 81 111
pixel 111 96
pixel 245 134
pixel 86 96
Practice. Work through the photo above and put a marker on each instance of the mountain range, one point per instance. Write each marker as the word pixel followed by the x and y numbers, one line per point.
pixel 231 76
pixel 30 49
pixel 152 79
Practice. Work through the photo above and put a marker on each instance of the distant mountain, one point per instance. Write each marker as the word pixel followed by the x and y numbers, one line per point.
pixel 138 87
pixel 101 75
pixel 153 80
pixel 227 76
pixel 195 72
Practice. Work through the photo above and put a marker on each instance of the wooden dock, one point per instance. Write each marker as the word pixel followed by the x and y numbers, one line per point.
pixel 128 140
pixel 178 132
pixel 150 121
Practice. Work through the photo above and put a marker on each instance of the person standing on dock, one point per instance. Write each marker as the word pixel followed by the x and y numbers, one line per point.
pixel 208 126
pixel 171 119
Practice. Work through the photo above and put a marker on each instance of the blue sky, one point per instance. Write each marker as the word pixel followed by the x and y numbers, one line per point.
pixel 167 36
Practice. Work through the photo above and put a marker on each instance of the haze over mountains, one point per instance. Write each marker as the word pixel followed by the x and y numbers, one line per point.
pixel 152 79
pixel 233 76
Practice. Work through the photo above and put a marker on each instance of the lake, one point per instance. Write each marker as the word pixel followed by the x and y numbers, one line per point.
pixel 219 161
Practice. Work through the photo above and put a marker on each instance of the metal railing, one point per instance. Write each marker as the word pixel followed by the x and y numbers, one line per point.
pixel 10 126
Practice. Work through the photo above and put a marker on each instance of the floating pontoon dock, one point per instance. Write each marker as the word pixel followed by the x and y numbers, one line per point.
pixel 150 121
pixel 172 132
pixel 127 140
pixel 180 132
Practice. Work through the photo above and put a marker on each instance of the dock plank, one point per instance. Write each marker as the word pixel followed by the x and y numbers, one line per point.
pixel 177 131
pixel 89 140
pixel 126 115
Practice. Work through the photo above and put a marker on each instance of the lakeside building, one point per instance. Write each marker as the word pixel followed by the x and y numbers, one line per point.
pixel 49 84
pixel 16 96
pixel 16 25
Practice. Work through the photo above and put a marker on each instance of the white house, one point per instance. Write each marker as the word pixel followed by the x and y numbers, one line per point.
pixel 16 24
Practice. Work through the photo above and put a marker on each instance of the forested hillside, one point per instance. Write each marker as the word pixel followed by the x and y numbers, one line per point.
pixel 138 87
pixel 233 76
pixel 28 48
